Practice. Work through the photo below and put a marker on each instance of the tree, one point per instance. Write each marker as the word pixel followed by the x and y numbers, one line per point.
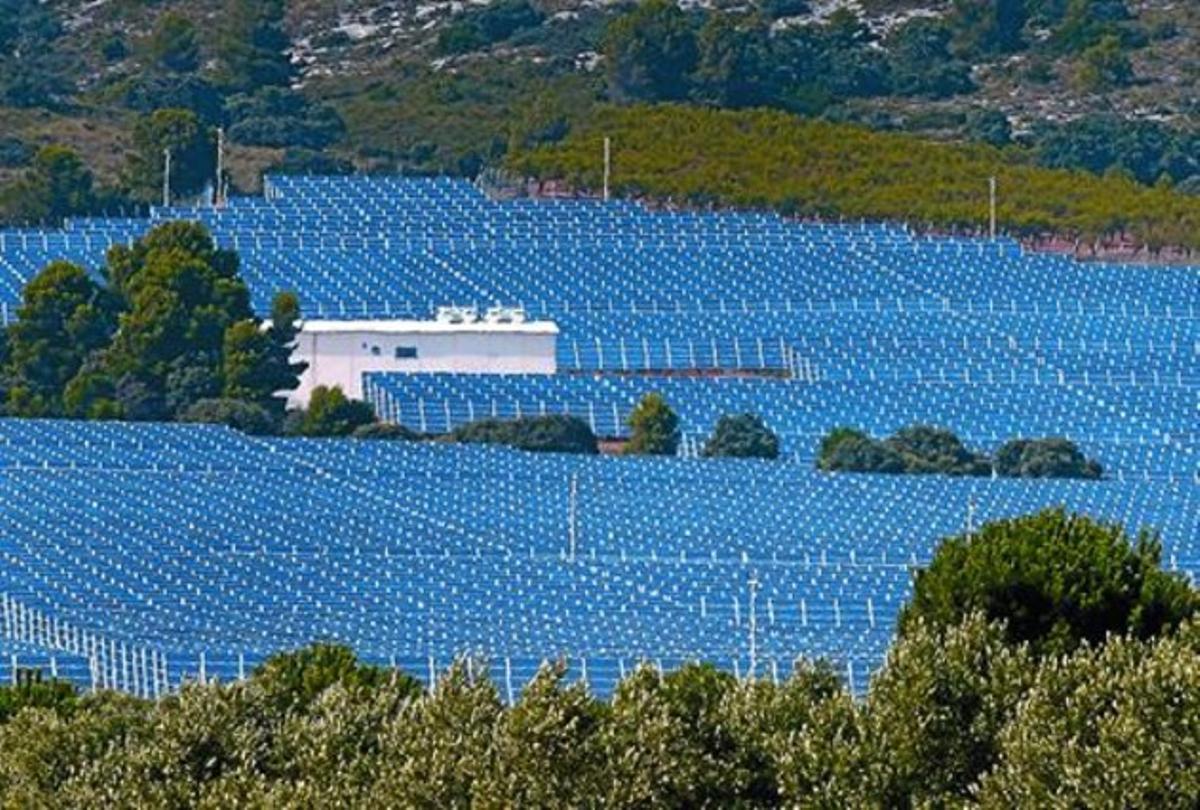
pixel 988 27
pixel 33 70
pixel 1045 458
pixel 172 45
pixel 257 363
pixel 63 318
pixel 935 708
pixel 554 433
pixel 294 680
pixel 252 46
pixel 193 155
pixel 235 413
pixel 654 428
pixel 921 61
pixel 730 62
pixel 180 295
pixel 988 126
pixel 331 413
pixel 57 185
pixel 547 748
pixel 1120 721
pixel 742 436
pixel 1055 580
pixel 1103 66
pixel 649 52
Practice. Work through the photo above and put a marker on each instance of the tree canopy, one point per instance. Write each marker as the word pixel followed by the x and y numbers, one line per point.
pixel 169 327
pixel 1055 580
pixel 742 436
pixel 653 428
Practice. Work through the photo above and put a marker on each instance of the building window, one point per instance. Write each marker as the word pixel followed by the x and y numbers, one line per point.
pixel 406 352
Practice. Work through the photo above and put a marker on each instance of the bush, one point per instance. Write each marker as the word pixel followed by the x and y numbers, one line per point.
pixel 654 428
pixel 385 431
pixel 14 152
pixel 1045 458
pixel 331 413
pixel 1055 580
pixel 244 416
pixel 919 449
pixel 742 436
pixel 551 434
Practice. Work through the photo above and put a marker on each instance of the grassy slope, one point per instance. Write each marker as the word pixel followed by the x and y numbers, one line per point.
pixel 770 159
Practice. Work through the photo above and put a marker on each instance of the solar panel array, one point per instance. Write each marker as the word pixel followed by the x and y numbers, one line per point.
pixel 139 555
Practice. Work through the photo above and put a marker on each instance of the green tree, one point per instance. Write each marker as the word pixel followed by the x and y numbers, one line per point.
pixel 63 318
pixel 331 413
pixel 1045 458
pixel 921 61
pixel 988 27
pixel 742 436
pixel 1055 580
pixel 258 363
pixel 935 709
pixel 57 184
pixel 180 295
pixel 1103 66
pixel 649 52
pixel 547 750
pixel 252 46
pixel 654 428
pixel 1118 724
pixel 437 750
pixel 730 62
pixel 173 44
pixel 193 155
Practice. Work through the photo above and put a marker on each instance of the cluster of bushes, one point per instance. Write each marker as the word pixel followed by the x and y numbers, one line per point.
pixel 921 449
pixel 999 692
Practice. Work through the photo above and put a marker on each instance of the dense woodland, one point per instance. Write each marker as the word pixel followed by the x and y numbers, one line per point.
pixel 982 702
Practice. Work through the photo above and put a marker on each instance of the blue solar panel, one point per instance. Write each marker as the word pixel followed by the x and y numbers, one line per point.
pixel 139 555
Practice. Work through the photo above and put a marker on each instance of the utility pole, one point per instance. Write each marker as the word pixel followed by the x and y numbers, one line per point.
pixel 753 625
pixel 166 177
pixel 573 517
pixel 218 189
pixel 607 164
pixel 992 206
pixel 970 516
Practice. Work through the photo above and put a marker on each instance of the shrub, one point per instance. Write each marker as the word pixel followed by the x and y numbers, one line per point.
pixel 385 431
pixel 550 434
pixel 1055 580
pixel 654 428
pixel 1045 458
pixel 919 449
pixel 742 436
pixel 244 416
pixel 331 413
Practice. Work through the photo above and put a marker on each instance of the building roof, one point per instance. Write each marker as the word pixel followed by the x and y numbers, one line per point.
pixel 391 327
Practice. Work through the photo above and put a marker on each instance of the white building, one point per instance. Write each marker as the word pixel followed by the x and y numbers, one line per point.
pixel 339 352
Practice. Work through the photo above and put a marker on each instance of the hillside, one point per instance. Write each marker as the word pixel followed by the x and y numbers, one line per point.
pixel 761 159
pixel 1103 86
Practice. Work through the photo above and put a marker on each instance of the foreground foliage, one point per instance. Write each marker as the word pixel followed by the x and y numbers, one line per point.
pixel 1056 580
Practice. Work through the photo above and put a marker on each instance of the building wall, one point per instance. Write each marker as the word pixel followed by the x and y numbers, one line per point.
pixel 341 358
